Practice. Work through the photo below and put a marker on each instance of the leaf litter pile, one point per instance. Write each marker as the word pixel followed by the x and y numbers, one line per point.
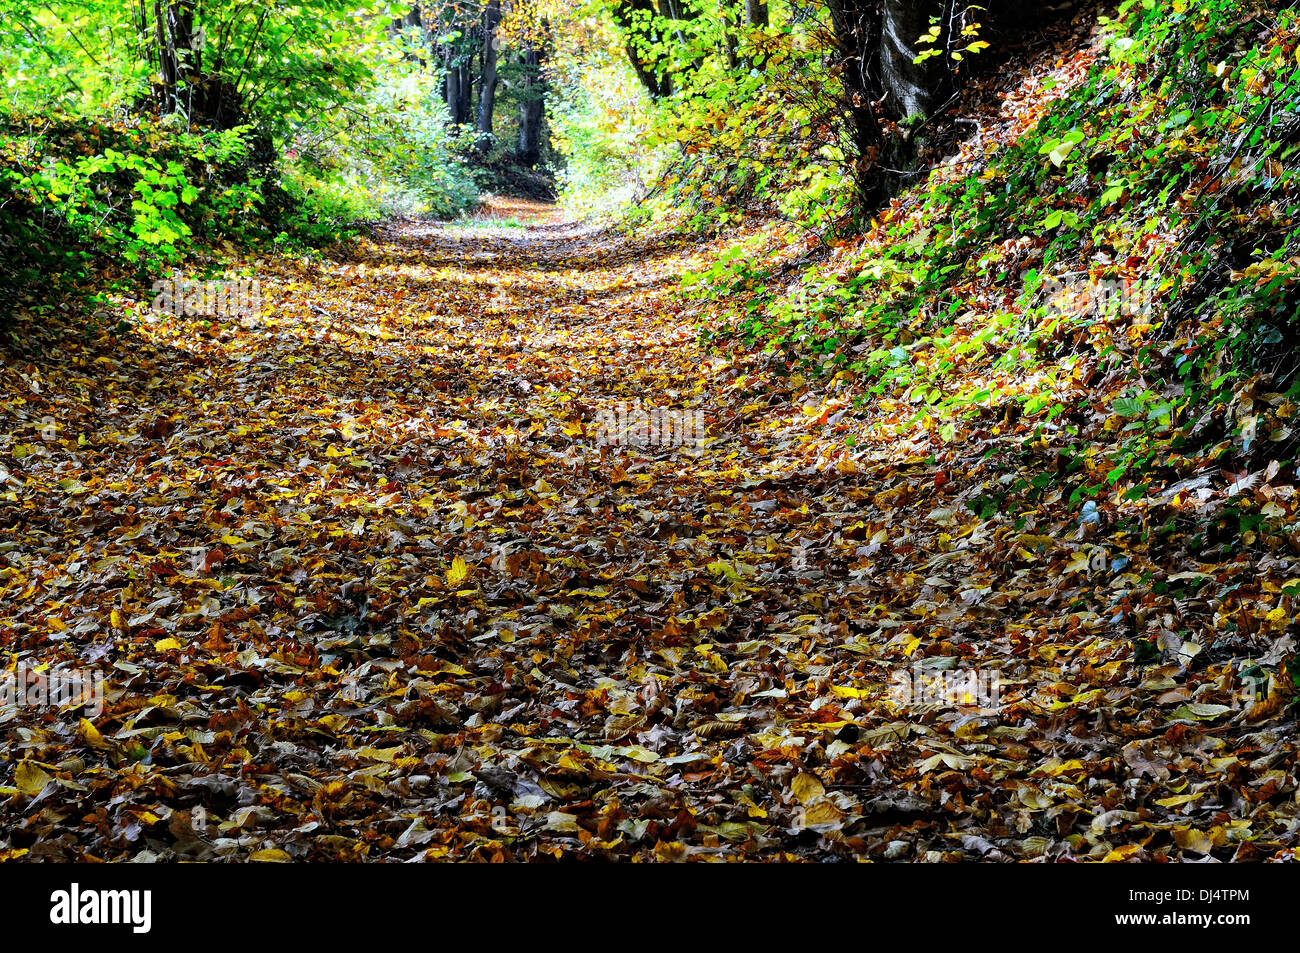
pixel 364 582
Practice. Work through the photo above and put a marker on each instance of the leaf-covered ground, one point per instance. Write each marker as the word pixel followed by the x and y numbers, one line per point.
pixel 364 586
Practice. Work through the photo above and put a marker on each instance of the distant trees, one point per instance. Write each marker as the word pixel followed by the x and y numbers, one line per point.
pixel 473 46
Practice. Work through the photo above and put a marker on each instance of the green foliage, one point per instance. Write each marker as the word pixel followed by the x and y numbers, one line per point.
pixel 754 123
pixel 396 156
pixel 1169 173
pixel 275 67
pixel 282 124
pixel 133 190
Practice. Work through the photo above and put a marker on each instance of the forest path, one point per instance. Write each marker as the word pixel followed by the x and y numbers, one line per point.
pixel 398 568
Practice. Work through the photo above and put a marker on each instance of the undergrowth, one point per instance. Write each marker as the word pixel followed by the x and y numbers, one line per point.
pixel 1127 266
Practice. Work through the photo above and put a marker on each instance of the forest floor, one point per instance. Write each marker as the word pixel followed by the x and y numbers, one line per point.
pixel 383 573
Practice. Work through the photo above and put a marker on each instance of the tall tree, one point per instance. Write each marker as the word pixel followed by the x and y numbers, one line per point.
pixel 458 44
pixel 488 90
pixel 532 104
pixel 882 80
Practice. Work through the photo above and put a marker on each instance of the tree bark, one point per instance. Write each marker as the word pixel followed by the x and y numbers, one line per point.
pixel 876 40
pixel 204 98
pixel 456 52
pixel 912 87
pixel 855 26
pixel 488 91
pixel 451 94
pixel 177 57
pixel 533 104
pixel 730 44
pixel 756 16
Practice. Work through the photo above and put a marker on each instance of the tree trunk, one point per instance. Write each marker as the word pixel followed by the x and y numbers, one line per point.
pixel 756 16
pixel 488 91
pixel 877 43
pixel 676 12
pixel 912 87
pixel 465 102
pixel 730 44
pixel 855 26
pixel 451 90
pixel 144 30
pixel 177 53
pixel 456 53
pixel 456 84
pixel 206 99
pixel 532 106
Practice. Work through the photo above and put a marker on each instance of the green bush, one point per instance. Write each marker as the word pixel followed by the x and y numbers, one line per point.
pixel 399 158
pixel 77 192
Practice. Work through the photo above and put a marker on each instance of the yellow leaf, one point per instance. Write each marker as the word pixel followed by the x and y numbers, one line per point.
pixel 1121 854
pixel 457 573
pixel 271 855
pixel 1178 800
pixel 1191 839
pixel 387 755
pixel 823 812
pixel 807 788
pixel 1079 562
pixel 166 645
pixel 91 733
pixel 721 567
pixel 638 753
pixel 30 779
pixel 1074 764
